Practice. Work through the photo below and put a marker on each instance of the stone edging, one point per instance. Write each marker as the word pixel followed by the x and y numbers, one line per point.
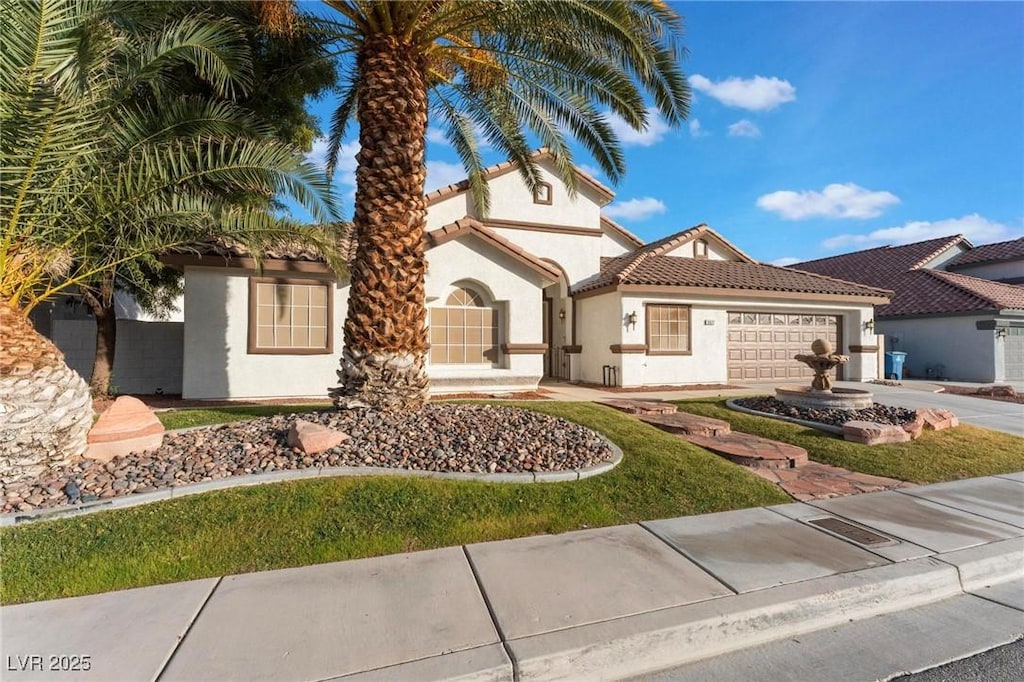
pixel 838 430
pixel 134 500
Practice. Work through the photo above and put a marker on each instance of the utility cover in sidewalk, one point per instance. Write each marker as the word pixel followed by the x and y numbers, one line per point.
pixel 851 532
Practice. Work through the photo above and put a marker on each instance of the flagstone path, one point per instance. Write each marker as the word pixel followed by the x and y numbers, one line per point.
pixel 784 464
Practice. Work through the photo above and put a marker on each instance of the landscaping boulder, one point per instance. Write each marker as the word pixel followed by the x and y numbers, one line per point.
pixel 914 427
pixel 937 420
pixel 684 423
pixel 873 433
pixel 128 425
pixel 314 438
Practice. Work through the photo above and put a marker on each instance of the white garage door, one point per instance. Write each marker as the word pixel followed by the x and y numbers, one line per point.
pixel 1013 353
pixel 761 346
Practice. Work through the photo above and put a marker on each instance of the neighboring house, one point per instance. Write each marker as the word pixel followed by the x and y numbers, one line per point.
pixel 543 287
pixel 953 313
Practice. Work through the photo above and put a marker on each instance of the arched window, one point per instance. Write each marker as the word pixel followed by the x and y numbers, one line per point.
pixel 464 331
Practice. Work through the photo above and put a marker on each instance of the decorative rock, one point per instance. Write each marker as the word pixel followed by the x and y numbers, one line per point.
pixel 441 437
pixel 127 418
pixel 937 420
pixel 1004 391
pixel 915 427
pixel 873 433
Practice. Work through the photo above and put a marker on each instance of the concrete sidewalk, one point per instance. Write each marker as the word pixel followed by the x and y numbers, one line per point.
pixel 606 603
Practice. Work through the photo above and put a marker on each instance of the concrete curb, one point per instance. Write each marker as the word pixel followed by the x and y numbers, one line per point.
pixel 248 480
pixel 838 430
pixel 987 565
pixel 663 639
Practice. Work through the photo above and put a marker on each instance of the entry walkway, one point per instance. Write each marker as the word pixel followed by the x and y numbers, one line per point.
pixel 605 603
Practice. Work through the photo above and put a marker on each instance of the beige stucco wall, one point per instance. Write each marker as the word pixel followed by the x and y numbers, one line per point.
pixel 708 361
pixel 995 271
pixel 217 362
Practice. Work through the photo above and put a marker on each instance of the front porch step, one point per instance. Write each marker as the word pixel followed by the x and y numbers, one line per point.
pixel 686 424
pixel 751 451
pixel 639 406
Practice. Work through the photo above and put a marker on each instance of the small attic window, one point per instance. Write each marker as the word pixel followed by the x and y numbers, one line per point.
pixel 542 194
pixel 700 248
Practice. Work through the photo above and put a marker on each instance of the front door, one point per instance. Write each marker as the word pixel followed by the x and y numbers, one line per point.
pixel 546 322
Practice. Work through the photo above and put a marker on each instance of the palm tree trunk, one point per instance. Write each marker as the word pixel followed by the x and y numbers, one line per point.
pixel 45 406
pixel 382 364
pixel 102 307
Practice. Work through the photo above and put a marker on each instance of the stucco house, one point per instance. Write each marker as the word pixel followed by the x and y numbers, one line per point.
pixel 544 286
pixel 957 311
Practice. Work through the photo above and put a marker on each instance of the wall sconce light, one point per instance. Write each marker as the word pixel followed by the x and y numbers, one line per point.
pixel 631 319
pixel 561 314
pixel 869 325
pixel 1001 333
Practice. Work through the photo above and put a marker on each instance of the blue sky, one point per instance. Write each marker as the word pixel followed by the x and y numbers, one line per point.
pixel 822 128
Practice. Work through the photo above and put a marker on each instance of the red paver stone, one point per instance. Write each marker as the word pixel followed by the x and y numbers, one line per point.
pixel 313 438
pixel 752 451
pixel 127 418
pixel 640 406
pixel 873 433
pixel 686 424
pixel 937 420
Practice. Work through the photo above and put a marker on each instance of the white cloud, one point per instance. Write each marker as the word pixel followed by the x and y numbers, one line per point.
pixel 753 94
pixel 635 209
pixel 655 131
pixel 589 170
pixel 783 262
pixel 744 128
pixel 976 228
pixel 441 174
pixel 835 201
pixel 696 130
pixel 436 135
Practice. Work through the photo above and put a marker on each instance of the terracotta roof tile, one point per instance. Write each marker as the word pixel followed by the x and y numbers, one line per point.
pixel 285 249
pixel 919 290
pixel 647 268
pixel 987 253
pixel 615 227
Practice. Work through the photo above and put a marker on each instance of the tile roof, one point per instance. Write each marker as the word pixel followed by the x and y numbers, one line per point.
pixel 508 166
pixel 648 268
pixel 877 266
pixel 919 290
pixel 468 225
pixel 987 253
pixel 283 249
pixel 615 227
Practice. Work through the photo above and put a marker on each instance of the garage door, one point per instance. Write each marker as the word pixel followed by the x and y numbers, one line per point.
pixel 761 346
pixel 1013 349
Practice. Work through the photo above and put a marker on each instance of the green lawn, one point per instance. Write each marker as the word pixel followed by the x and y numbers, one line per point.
pixel 964 452
pixel 307 522
pixel 179 419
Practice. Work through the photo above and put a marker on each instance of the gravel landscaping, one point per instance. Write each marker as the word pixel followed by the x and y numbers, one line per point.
pixel 882 414
pixel 441 437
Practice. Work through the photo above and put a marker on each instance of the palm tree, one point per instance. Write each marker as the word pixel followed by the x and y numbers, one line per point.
pixel 551 68
pixel 94 178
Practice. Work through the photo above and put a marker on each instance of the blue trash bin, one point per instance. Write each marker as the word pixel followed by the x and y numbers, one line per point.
pixel 894 364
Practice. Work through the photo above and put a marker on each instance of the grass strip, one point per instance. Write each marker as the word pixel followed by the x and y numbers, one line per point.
pixel 307 522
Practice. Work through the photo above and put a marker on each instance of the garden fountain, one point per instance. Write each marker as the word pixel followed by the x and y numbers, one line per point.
pixel 821 394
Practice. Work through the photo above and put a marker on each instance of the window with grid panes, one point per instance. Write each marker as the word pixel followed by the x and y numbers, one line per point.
pixel 668 328
pixel 290 316
pixel 464 331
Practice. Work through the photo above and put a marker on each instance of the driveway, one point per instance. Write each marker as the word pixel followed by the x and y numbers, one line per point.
pixel 990 414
